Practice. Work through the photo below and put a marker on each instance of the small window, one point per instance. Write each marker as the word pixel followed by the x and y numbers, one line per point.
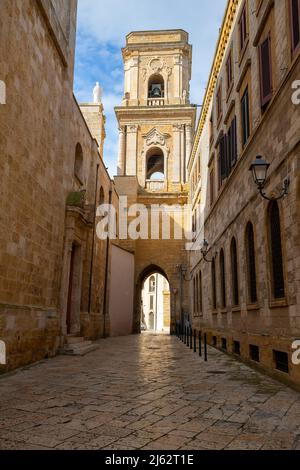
pixel 237 348
pixel 101 196
pixel 254 352
pixel 224 344
pixel 243 28
pixel 214 341
pixel 295 24
pixel 281 360
pixel 245 117
pixel 265 62
pixel 151 302
pixel 152 284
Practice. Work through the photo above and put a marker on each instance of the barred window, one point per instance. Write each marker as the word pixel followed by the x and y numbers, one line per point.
pixel 222 279
pixel 251 266
pixel 277 275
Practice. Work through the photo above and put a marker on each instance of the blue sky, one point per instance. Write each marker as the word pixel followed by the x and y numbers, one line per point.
pixel 102 27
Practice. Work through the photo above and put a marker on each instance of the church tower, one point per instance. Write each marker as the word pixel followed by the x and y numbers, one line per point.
pixel 156 124
pixel 156 120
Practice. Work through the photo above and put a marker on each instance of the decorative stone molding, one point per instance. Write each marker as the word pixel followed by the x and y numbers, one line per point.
pixel 156 65
pixel 154 137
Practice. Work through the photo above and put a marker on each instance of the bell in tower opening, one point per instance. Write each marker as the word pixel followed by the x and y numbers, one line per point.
pixel 156 87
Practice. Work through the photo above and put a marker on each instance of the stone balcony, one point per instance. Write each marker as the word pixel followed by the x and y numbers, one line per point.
pixel 156 102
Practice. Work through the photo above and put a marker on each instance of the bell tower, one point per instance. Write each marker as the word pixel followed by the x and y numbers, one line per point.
pixel 156 120
pixel 156 124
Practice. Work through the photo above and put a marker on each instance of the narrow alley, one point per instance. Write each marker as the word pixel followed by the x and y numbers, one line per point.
pixel 146 392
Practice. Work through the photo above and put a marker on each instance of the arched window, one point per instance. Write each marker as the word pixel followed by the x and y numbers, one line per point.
pixel 274 229
pixel 152 284
pixel 234 273
pixel 78 166
pixel 251 266
pixel 101 196
pixel 156 87
pixel 213 285
pixel 200 298
pixel 222 279
pixel 155 164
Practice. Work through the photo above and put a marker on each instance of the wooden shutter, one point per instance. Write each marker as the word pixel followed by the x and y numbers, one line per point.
pixel 265 70
pixel 295 24
pixel 234 142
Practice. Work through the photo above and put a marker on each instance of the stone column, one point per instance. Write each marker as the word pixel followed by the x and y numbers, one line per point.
pixel 176 153
pixel 189 141
pixel 121 155
pixel 131 150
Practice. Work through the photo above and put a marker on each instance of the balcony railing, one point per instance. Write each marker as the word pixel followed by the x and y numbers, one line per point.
pixel 156 101
pixel 155 185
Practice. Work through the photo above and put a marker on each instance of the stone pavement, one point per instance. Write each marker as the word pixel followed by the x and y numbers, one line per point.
pixel 146 392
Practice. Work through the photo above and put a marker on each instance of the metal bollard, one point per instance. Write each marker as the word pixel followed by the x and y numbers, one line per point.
pixel 191 338
pixel 195 342
pixel 200 344
pixel 205 347
pixel 187 336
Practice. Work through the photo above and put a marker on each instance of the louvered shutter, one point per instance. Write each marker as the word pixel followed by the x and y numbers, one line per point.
pixel 234 142
pixel 265 71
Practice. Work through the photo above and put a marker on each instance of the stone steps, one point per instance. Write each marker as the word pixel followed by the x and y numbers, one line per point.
pixel 78 346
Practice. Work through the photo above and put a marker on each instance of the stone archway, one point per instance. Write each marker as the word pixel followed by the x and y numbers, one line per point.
pixel 141 277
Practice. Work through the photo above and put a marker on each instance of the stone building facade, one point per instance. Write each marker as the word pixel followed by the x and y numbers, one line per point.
pixel 156 122
pixel 246 295
pixel 52 267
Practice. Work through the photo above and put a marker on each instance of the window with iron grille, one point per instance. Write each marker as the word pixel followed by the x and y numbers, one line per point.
pixel 222 279
pixel 214 341
pixel 234 273
pixel 251 266
pixel 213 284
pixel 276 252
pixel 237 348
pixel 265 71
pixel 224 344
pixel 245 117
pixel 295 24
pixel 254 352
pixel 281 360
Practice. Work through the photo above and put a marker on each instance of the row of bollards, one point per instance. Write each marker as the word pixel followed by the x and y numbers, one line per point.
pixel 189 337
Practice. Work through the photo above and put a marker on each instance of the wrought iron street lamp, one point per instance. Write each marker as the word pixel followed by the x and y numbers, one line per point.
pixel 259 170
pixel 204 251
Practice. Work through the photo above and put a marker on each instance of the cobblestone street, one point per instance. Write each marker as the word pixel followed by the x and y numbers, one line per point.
pixel 146 392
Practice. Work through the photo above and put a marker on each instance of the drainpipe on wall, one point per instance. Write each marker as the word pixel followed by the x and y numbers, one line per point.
pixel 106 275
pixel 93 243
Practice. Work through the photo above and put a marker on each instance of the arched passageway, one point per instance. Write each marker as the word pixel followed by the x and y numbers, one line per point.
pixel 153 300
